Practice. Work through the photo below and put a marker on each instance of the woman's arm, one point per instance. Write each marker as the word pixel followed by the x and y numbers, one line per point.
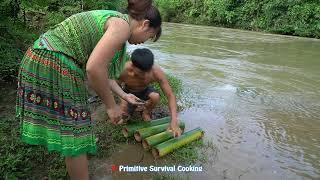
pixel 117 33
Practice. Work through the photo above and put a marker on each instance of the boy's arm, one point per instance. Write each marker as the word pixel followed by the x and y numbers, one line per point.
pixel 165 87
pixel 114 86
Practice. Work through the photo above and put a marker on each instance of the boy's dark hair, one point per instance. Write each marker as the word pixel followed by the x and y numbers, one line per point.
pixel 143 9
pixel 142 59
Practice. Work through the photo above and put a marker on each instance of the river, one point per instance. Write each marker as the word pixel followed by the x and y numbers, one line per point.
pixel 256 95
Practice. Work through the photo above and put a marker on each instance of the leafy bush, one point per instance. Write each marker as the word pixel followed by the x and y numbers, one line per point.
pixel 22 21
pixel 299 18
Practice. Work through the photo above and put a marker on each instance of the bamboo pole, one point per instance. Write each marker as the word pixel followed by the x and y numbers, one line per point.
pixel 151 141
pixel 168 146
pixel 149 131
pixel 128 130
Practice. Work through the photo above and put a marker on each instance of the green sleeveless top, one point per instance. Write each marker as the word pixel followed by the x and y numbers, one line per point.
pixel 78 35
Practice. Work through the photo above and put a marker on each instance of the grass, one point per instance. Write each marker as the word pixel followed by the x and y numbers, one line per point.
pixel 189 154
pixel 109 138
pixel 195 153
pixel 17 159
pixel 176 86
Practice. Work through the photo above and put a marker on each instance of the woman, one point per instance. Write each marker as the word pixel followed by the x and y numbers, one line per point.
pixel 52 97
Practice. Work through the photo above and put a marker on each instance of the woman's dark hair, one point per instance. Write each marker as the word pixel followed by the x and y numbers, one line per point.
pixel 143 9
pixel 137 8
pixel 142 59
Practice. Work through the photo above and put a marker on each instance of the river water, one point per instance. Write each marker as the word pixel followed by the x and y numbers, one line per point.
pixel 256 95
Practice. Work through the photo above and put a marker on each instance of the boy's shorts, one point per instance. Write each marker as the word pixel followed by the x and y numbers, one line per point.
pixel 143 95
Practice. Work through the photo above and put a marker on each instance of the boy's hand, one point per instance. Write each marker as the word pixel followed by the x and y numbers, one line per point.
pixel 132 99
pixel 174 129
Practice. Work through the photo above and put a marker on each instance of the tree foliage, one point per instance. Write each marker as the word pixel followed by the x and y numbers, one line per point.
pixel 291 17
pixel 23 20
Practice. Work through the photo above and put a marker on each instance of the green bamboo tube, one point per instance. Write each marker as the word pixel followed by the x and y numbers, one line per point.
pixel 149 131
pixel 175 143
pixel 151 141
pixel 128 130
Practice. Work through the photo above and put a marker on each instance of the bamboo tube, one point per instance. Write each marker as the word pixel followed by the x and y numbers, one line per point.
pixel 151 141
pixel 149 131
pixel 168 146
pixel 128 130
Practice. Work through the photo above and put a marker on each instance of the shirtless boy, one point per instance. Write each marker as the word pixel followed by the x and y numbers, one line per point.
pixel 136 78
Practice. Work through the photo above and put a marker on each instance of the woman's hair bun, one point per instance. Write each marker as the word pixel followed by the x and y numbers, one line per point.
pixel 138 8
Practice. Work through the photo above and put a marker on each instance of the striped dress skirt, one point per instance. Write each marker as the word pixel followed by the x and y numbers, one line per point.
pixel 52 103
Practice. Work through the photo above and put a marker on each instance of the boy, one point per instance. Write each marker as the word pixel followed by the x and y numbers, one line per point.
pixel 135 79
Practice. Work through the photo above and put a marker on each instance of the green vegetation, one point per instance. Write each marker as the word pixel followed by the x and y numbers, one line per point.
pixel 176 85
pixel 291 17
pixel 23 21
pixel 14 39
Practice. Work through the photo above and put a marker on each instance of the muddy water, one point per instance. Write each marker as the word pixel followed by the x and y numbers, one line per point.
pixel 256 95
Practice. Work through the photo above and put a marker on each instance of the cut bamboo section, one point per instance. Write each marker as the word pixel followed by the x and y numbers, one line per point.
pixel 175 143
pixel 129 129
pixel 151 141
pixel 150 131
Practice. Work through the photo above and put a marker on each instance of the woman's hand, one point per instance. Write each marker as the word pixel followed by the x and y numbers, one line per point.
pixel 174 129
pixel 115 114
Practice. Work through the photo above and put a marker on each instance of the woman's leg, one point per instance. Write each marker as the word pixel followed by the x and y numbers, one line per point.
pixel 77 167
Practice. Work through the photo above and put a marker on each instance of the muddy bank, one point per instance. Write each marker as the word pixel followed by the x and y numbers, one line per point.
pixel 121 151
pixel 114 149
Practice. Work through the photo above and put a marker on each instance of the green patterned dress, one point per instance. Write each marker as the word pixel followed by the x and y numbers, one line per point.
pixel 52 96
